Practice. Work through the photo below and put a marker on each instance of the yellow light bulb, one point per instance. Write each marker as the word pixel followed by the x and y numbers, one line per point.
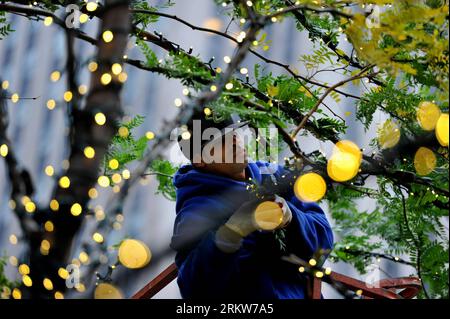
pixel 89 152
pixel 150 135
pixel 15 98
pixel 92 66
pixel 4 150
pixel 100 118
pixel 82 89
pixel 76 209
pixel 45 244
pixel 428 115
pixel 92 193
pixel 124 132
pixel 63 273
pixel 68 96
pixel 59 295
pixel 348 147
pixel 55 76
pixel 91 6
pixel 49 226
pixel 64 182
pixel 113 164
pixel 116 178
pixel 83 18
pixel 310 187
pixel 48 21
pixel 30 207
pixel 312 262
pixel 319 274
pixel 134 254
pixel 213 88
pixel 84 257
pixel 107 36
pixel 13 239
pixel 122 77
pixel 268 215
pixel 424 161
pixel 24 269
pixel 103 181
pixel 27 281
pixel 229 86
pixel 207 111
pixel 16 293
pixel 126 174
pixel 342 166
pixel 97 237
pixel 54 205
pixel 226 59
pixel 244 71
pixel 5 85
pixel 116 68
pixel 442 130
pixel 107 291
pixel 388 134
pixel 106 78
pixel 51 104
pixel 47 284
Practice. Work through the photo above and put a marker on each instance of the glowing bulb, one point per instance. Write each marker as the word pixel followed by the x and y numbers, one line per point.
pixel 229 86
pixel 388 134
pixel 116 68
pixel 301 269
pixel 442 130
pixel 123 132
pixel 319 274
pixel 186 135
pixel 312 262
pixel 134 254
pixel 268 215
pixel 116 178
pixel 113 164
pixel 344 164
pixel 15 98
pixel 424 161
pixel 48 226
pixel 76 209
pixel 4 150
pixel 47 284
pixel 54 205
pixel 107 36
pixel 30 207
pixel 185 91
pixel 207 111
pixel 64 182
pixel 244 71
pixel 249 3
pixel 227 59
pixel 213 88
pixel 327 271
pixel 51 104
pixel 63 273
pixel 16 293
pixel 106 78
pixel 55 76
pixel 13 239
pixel 126 174
pixel 427 115
pixel 83 18
pixel 348 147
pixel 59 295
pixel 92 66
pixel 107 291
pixel 24 269
pixel 48 21
pixel 92 193
pixel 122 77
pixel 68 96
pixel 84 257
pixel 89 152
pixel 100 118
pixel 310 187
pixel 98 238
pixel 82 89
pixel 27 281
pixel 150 135
pixel 91 6
pixel 274 19
pixel 178 102
pixel 103 181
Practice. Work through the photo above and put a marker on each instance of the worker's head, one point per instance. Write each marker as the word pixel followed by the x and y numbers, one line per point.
pixel 214 146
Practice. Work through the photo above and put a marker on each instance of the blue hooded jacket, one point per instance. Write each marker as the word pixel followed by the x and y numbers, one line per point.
pixel 205 202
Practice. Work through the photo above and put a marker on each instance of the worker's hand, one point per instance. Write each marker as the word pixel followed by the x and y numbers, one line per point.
pixel 287 214
pixel 242 221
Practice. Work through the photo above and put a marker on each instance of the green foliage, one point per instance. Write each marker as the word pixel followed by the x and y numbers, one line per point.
pixel 6 286
pixel 143 19
pixel 164 171
pixel 5 27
